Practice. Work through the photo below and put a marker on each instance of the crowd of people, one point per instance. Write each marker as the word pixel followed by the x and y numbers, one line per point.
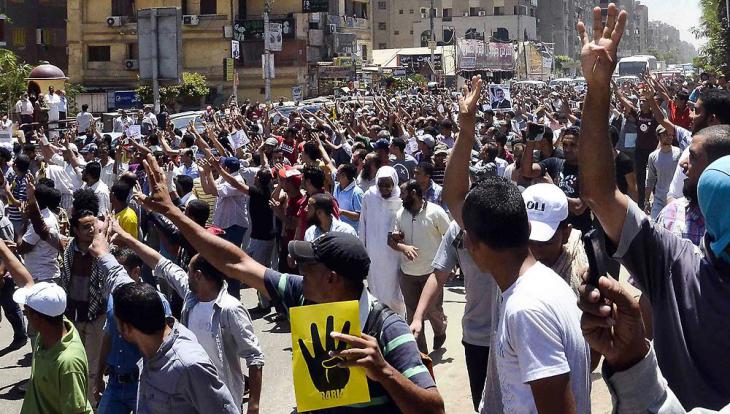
pixel 124 258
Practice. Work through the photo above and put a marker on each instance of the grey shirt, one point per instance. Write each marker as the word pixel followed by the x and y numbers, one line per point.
pixel 660 170
pixel 690 294
pixel 643 389
pixel 231 328
pixel 481 289
pixel 179 378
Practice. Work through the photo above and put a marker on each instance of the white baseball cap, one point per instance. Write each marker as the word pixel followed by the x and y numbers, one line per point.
pixel 43 297
pixel 547 206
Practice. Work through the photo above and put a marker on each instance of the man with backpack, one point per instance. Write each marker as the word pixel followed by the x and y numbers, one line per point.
pixel 334 267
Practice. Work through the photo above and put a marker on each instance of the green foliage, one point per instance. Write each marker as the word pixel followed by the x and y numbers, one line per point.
pixel 73 90
pixel 12 81
pixel 564 63
pixel 715 53
pixel 193 85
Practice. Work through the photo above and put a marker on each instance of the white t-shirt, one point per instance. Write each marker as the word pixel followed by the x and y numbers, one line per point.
pixel 41 259
pixel 6 132
pixel 538 337
pixel 200 322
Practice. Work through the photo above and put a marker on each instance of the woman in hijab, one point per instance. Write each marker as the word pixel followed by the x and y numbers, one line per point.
pixel 380 204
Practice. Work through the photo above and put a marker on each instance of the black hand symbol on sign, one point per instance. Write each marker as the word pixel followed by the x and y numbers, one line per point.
pixel 323 369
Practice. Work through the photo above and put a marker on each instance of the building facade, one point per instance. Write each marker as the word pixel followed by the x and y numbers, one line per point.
pixel 407 23
pixel 103 51
pixel 32 35
pixel 557 21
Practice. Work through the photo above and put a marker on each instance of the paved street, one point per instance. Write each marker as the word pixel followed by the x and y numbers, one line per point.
pixel 278 392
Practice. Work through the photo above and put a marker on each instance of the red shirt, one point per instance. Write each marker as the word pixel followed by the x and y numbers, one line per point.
pixel 678 118
pixel 291 151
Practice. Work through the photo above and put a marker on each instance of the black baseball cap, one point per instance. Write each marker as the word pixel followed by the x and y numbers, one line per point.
pixel 341 252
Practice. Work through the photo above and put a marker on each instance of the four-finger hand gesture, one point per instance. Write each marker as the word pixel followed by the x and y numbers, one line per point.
pixel 598 56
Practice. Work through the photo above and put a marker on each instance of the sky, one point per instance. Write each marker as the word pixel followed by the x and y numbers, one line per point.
pixel 682 14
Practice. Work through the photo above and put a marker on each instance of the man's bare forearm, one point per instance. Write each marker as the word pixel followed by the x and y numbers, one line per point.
pixel 223 255
pixel 456 180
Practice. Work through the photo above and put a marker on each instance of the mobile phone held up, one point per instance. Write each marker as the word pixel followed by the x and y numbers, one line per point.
pixel 593 242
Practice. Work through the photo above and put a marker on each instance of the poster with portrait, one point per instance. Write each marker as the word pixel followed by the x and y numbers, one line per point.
pixel 499 97
pixel 319 382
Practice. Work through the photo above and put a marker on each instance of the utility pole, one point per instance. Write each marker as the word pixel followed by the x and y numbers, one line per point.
pixel 267 69
pixel 155 68
pixel 433 41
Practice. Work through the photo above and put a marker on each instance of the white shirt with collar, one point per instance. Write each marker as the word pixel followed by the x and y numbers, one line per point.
pixel 102 192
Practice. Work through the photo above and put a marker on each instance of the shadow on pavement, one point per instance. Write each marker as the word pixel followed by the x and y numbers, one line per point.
pixel 281 324
pixel 437 357
pixel 12 391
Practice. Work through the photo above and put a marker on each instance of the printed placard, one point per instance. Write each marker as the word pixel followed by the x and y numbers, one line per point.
pixel 318 382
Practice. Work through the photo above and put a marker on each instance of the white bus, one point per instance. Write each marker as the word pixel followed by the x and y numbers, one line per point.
pixel 636 65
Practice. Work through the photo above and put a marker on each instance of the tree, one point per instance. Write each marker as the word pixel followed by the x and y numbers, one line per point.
pixel 12 81
pixel 193 86
pixel 715 53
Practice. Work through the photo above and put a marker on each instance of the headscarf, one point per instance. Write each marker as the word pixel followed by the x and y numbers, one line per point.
pixel 713 194
pixel 387 172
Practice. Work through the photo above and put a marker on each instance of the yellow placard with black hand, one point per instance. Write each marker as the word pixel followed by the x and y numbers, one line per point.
pixel 318 381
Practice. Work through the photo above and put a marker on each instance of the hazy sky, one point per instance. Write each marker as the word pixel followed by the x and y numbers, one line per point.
pixel 682 14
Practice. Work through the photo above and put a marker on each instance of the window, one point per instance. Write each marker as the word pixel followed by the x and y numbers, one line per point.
pixel 411 31
pixel 499 11
pixel 410 11
pixel 132 51
pixel 123 8
pixel 208 6
pixel 532 12
pixel 473 11
pixel 447 12
pixel 381 5
pixel 18 36
pixel 2 30
pixel 516 10
pixel 382 46
pixel 381 25
pixel 397 32
pixel 99 53
pixel 400 11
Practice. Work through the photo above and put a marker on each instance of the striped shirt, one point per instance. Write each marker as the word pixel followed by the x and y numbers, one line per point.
pixel 18 188
pixel 400 349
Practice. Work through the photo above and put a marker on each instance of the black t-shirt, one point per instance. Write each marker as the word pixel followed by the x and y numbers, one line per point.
pixel 262 218
pixel 624 165
pixel 565 176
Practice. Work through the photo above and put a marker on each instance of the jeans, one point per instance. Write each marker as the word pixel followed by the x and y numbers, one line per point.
pixel 234 234
pixel 476 367
pixel 118 398
pixel 12 309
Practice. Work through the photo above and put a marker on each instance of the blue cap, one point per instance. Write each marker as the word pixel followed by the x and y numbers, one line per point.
pixel 382 144
pixel 232 163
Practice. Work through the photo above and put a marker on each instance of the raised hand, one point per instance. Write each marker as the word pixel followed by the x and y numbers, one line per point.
pixel 598 56
pixel 323 367
pixel 159 198
pixel 470 98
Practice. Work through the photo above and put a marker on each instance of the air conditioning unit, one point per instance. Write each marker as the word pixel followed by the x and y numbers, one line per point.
pixel 191 20
pixel 424 15
pixel 131 64
pixel 112 21
pixel 482 13
pixel 331 28
pixel 466 14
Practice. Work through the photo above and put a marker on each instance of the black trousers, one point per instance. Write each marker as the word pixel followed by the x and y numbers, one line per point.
pixel 477 358
pixel 641 159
